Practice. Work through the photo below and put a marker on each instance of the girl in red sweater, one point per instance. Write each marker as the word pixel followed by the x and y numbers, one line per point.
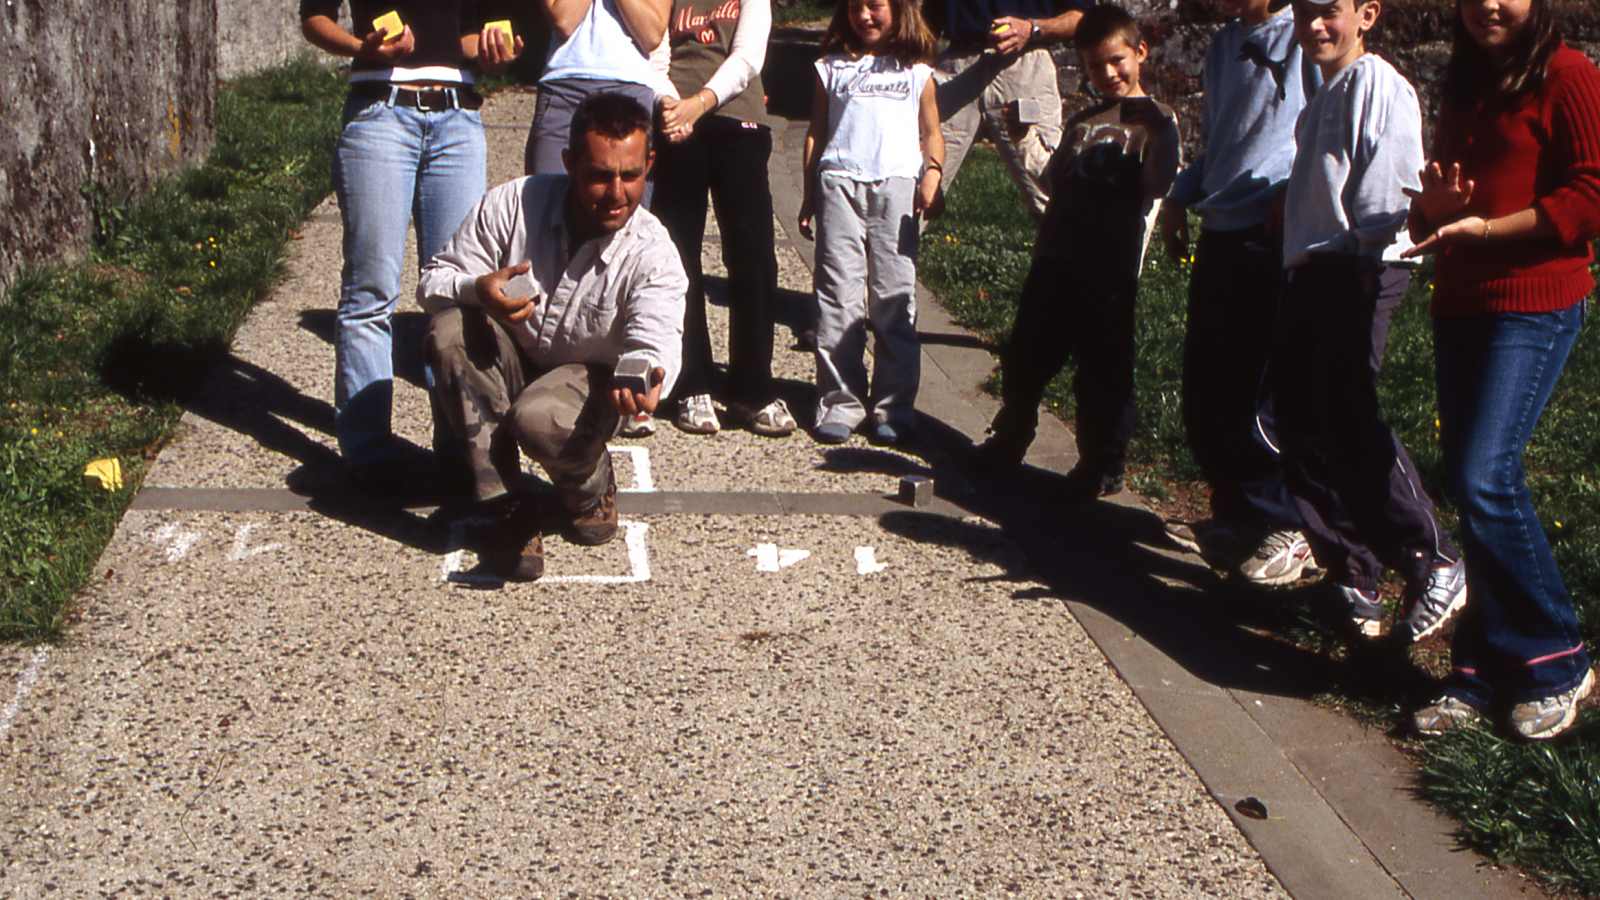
pixel 1509 204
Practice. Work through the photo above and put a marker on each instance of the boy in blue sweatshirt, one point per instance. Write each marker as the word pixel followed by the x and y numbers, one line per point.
pixel 1256 83
pixel 1359 145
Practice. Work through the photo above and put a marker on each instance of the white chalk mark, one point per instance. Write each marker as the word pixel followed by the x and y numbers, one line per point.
pixel 181 541
pixel 455 567
pixel 25 682
pixel 770 559
pixel 242 550
pixel 642 482
pixel 456 562
pixel 638 560
pixel 867 561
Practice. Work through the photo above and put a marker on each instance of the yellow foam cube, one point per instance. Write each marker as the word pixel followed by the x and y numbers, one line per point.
pixel 389 23
pixel 105 474
pixel 504 25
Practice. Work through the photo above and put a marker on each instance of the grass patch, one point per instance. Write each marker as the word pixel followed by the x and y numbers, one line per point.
pixel 1536 806
pixel 100 355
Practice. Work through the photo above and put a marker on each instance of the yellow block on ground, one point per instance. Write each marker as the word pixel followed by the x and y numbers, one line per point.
pixel 105 474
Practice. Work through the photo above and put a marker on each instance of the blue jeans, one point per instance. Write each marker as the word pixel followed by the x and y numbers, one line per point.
pixel 1518 637
pixel 392 164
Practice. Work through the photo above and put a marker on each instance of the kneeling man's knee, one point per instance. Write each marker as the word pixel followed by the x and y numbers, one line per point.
pixel 549 416
pixel 445 346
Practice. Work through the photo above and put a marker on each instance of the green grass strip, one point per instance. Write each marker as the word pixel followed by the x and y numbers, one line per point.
pixel 1536 806
pixel 99 356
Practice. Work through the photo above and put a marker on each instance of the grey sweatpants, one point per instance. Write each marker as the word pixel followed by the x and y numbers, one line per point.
pixel 866 276
pixel 498 402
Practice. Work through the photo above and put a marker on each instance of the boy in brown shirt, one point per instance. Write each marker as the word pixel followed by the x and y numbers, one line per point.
pixel 1116 161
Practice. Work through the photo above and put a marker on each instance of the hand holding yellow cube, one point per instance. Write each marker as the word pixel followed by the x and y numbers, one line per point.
pixel 389 23
pixel 504 27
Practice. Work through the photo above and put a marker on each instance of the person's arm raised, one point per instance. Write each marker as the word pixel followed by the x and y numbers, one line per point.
pixel 565 16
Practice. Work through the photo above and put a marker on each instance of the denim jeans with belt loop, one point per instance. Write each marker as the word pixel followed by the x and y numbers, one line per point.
pixel 1518 637
pixel 392 164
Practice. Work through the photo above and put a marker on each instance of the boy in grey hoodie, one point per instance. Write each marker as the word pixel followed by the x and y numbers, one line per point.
pixel 1359 145
pixel 1256 83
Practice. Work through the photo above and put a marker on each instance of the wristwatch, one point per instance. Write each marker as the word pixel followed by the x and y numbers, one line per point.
pixel 1034 35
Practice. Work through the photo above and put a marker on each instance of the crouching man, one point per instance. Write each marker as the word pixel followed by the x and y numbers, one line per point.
pixel 553 287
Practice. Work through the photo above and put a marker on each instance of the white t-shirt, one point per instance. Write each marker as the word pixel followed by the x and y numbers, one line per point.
pixel 600 48
pixel 872 117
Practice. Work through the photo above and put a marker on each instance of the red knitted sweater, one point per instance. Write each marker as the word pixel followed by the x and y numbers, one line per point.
pixel 1540 148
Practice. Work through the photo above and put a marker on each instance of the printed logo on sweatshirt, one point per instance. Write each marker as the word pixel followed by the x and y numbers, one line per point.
pixel 894 84
pixel 1279 68
pixel 1103 147
pixel 704 27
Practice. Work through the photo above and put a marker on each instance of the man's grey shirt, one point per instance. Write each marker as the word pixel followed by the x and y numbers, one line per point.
pixel 621 295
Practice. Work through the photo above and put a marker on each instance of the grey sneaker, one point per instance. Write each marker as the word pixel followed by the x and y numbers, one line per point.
pixel 1365 608
pixel 1443 715
pixel 639 425
pixel 772 420
pixel 1283 557
pixel 1439 599
pixel 1539 720
pixel 696 415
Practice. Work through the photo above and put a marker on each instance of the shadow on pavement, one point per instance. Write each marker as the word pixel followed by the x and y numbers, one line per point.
pixel 408 330
pixel 253 402
pixel 1105 556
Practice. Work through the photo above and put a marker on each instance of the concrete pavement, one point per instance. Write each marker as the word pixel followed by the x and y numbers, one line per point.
pixel 780 683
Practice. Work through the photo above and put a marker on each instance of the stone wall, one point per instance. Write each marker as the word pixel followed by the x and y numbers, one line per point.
pixel 95 94
pixel 252 34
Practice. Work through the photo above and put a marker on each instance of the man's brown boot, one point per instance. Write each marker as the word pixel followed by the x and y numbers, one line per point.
pixel 597 524
pixel 518 550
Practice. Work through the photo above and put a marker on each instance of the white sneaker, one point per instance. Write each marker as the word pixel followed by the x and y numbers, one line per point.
pixel 773 420
pixel 1283 557
pixel 1539 720
pixel 696 415
pixel 1444 715
pixel 640 425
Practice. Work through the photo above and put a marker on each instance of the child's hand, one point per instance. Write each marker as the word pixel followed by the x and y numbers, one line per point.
pixel 1175 230
pixel 928 202
pixel 1443 197
pixel 805 219
pixel 1469 228
pixel 678 116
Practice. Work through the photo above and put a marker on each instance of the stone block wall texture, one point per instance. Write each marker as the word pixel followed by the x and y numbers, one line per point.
pixel 254 35
pixel 95 93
